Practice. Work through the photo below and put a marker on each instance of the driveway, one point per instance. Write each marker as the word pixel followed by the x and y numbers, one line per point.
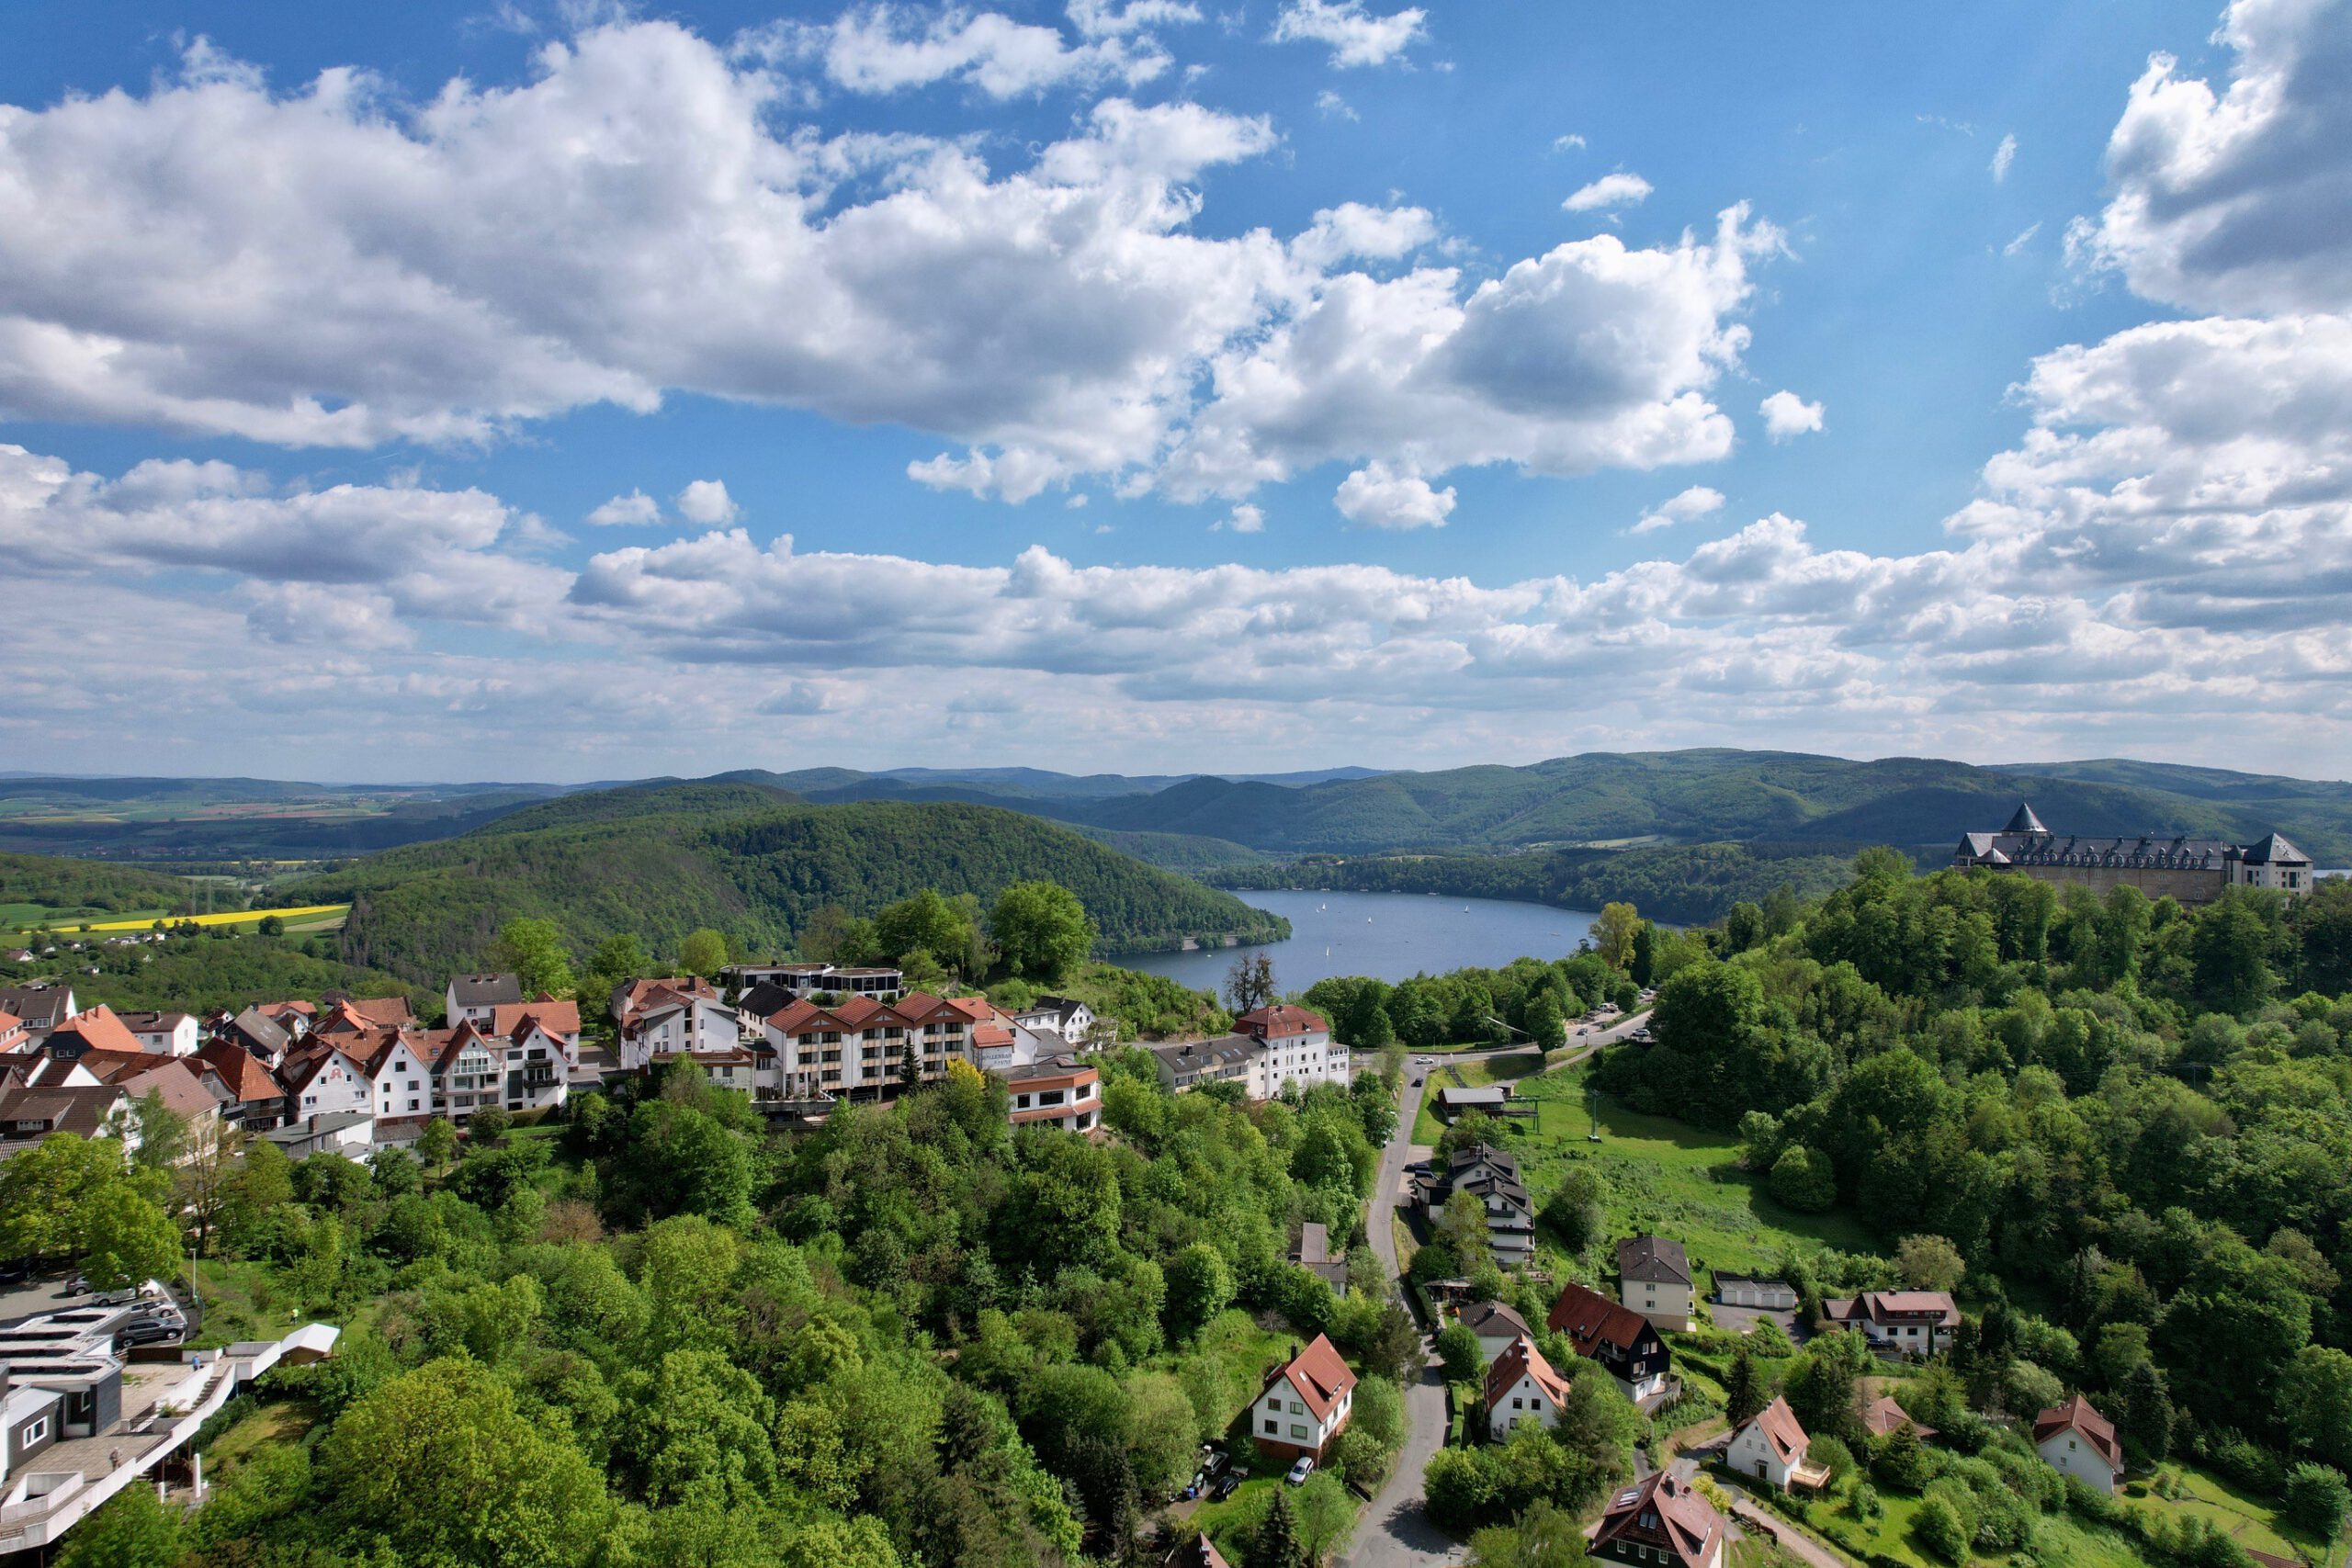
pixel 1739 1319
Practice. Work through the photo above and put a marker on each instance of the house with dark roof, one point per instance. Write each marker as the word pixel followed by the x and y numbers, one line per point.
pixel 2077 1440
pixel 1770 1446
pixel 1617 1336
pixel 1523 1387
pixel 1492 1176
pixel 1662 1523
pixel 1304 1404
pixel 255 1030
pixel 1495 1325
pixel 2189 871
pixel 476 996
pixel 1313 1254
pixel 1910 1323
pixel 1653 1278
pixel 40 1006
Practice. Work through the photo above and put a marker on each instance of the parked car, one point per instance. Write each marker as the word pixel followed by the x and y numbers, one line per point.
pixel 1301 1470
pixel 150 1331
pixel 1417 1166
pixel 1225 1485
pixel 17 1271
pixel 1213 1465
pixel 1416 1083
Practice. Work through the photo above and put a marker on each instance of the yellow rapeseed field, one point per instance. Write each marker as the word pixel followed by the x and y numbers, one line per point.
pixel 234 918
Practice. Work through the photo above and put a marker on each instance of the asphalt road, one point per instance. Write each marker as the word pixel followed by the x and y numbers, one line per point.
pixel 1394 1531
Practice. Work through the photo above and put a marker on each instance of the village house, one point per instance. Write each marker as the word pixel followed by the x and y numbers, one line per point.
pixel 1522 1386
pixel 1198 1552
pixel 2077 1440
pixel 474 998
pixel 1662 1523
pixel 1189 1063
pixel 14 1036
pixel 1770 1446
pixel 1653 1278
pixel 1496 1326
pixel 1313 1252
pixel 664 1017
pixel 322 1080
pixel 1621 1340
pixel 98 1030
pixel 1912 1322
pixel 255 1032
pixel 1060 1091
pixel 1073 1021
pixel 1296 1048
pixel 257 1099
pixel 1305 1403
pixel 1492 1176
pixel 166 1033
pixel 40 1006
pixel 1885 1417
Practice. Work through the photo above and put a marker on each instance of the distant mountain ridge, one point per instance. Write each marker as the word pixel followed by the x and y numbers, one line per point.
pixel 1195 822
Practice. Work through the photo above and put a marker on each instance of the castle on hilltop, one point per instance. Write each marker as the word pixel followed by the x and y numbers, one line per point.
pixel 2190 871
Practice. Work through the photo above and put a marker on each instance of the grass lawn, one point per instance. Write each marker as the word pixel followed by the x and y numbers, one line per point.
pixel 1427 1127
pixel 281 1421
pixel 2079 1545
pixel 1233 1523
pixel 2252 1521
pixel 1668 1176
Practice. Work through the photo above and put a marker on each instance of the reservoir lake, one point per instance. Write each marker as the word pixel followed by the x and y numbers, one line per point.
pixel 1390 936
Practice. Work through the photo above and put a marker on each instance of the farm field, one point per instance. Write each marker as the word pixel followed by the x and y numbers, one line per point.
pixel 298 918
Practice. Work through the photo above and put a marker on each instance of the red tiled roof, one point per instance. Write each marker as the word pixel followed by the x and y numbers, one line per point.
pixel 384 1012
pixel 508 1019
pixel 2077 1415
pixel 1280 1020
pixel 1198 1552
pixel 99 1028
pixel 1319 1375
pixel 241 1070
pixel 1590 1318
pixel 1885 1416
pixel 1522 1358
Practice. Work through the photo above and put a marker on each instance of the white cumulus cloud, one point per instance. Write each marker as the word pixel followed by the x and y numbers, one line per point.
pixel 1786 416
pixel 634 509
pixel 1610 191
pixel 1356 36
pixel 705 501
pixel 2002 156
pixel 1377 498
pixel 1698 501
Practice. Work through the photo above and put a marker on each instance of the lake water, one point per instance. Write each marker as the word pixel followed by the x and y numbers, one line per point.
pixel 1391 936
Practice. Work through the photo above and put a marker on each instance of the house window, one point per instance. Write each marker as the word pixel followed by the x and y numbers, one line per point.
pixel 1273 1425
pixel 1297 1431
pixel 35 1430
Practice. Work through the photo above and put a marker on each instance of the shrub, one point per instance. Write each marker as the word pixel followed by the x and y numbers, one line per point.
pixel 1938 1530
pixel 2317 1498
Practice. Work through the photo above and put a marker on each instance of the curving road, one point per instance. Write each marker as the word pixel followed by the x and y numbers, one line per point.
pixel 1394 1531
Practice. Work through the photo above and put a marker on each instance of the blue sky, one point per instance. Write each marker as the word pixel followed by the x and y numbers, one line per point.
pixel 1207 372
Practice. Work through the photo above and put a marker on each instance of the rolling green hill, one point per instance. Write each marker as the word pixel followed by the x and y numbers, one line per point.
pixel 1699 796
pixel 740 858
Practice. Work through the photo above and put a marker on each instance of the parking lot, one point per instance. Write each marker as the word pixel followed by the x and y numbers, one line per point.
pixel 1739 1319
pixel 49 1294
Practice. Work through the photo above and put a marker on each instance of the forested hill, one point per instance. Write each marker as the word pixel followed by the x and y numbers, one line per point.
pixel 732 858
pixel 1710 796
